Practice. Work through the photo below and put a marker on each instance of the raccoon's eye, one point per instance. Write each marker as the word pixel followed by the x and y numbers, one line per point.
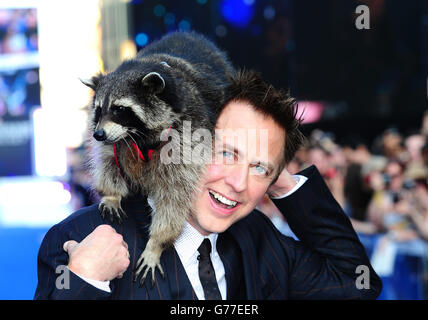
pixel 117 110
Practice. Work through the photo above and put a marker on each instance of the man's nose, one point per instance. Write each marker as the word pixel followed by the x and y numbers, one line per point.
pixel 237 177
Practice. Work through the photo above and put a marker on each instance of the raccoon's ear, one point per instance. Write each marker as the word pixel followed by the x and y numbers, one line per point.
pixel 92 82
pixel 153 83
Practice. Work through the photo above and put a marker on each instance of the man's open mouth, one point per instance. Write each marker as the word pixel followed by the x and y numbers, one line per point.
pixel 222 201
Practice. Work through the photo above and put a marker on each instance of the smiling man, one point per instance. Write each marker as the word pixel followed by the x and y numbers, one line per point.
pixel 228 249
pixel 238 178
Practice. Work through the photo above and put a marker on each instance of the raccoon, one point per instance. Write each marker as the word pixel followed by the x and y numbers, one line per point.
pixel 181 77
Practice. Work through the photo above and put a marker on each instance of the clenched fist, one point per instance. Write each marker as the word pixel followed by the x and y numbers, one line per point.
pixel 102 255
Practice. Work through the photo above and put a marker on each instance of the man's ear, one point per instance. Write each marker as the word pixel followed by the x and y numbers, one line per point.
pixel 153 83
pixel 92 82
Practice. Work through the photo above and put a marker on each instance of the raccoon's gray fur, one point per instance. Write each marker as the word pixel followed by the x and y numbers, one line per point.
pixel 180 77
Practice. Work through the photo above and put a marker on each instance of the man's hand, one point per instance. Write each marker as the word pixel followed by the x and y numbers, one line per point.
pixel 102 255
pixel 283 185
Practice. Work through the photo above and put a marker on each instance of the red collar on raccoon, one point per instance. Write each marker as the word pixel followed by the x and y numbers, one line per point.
pixel 140 154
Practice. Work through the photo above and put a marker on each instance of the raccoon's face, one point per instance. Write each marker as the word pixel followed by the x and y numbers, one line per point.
pixel 129 106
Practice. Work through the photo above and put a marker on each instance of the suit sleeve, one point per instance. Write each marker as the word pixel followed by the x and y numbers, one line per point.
pixel 323 265
pixel 55 282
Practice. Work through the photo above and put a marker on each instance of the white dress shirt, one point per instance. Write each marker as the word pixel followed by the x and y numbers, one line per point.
pixel 102 285
pixel 300 181
pixel 187 248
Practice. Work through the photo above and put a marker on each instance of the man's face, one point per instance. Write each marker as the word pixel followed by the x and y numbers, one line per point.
pixel 241 171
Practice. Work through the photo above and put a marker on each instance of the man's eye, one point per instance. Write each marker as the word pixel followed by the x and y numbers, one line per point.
pixel 260 170
pixel 228 157
pixel 227 154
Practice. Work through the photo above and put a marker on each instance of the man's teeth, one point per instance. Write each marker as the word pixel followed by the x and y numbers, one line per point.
pixel 223 200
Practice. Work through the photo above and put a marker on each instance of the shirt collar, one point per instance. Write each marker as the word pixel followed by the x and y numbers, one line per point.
pixel 188 242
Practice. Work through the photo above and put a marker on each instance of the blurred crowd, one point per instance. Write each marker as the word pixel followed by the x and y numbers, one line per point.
pixel 382 187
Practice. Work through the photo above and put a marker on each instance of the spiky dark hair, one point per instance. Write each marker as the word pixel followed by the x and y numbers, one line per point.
pixel 248 86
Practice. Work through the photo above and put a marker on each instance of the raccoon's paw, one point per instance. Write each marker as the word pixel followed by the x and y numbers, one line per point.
pixel 110 208
pixel 148 261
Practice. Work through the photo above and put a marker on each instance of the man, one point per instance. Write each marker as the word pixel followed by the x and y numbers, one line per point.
pixel 228 250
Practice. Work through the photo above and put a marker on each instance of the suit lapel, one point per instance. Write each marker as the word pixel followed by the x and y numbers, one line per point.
pixel 231 256
pixel 249 266
pixel 161 289
pixel 141 221
pixel 179 284
pixel 176 284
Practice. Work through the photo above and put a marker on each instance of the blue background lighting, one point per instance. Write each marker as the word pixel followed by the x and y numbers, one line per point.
pixel 141 39
pixel 237 12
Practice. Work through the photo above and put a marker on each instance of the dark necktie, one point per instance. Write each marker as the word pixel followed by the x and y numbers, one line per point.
pixel 206 272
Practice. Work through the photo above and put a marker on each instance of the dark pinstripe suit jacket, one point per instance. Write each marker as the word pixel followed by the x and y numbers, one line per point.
pixel 260 263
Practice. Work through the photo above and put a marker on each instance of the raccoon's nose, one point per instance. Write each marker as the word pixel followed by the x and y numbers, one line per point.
pixel 100 135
